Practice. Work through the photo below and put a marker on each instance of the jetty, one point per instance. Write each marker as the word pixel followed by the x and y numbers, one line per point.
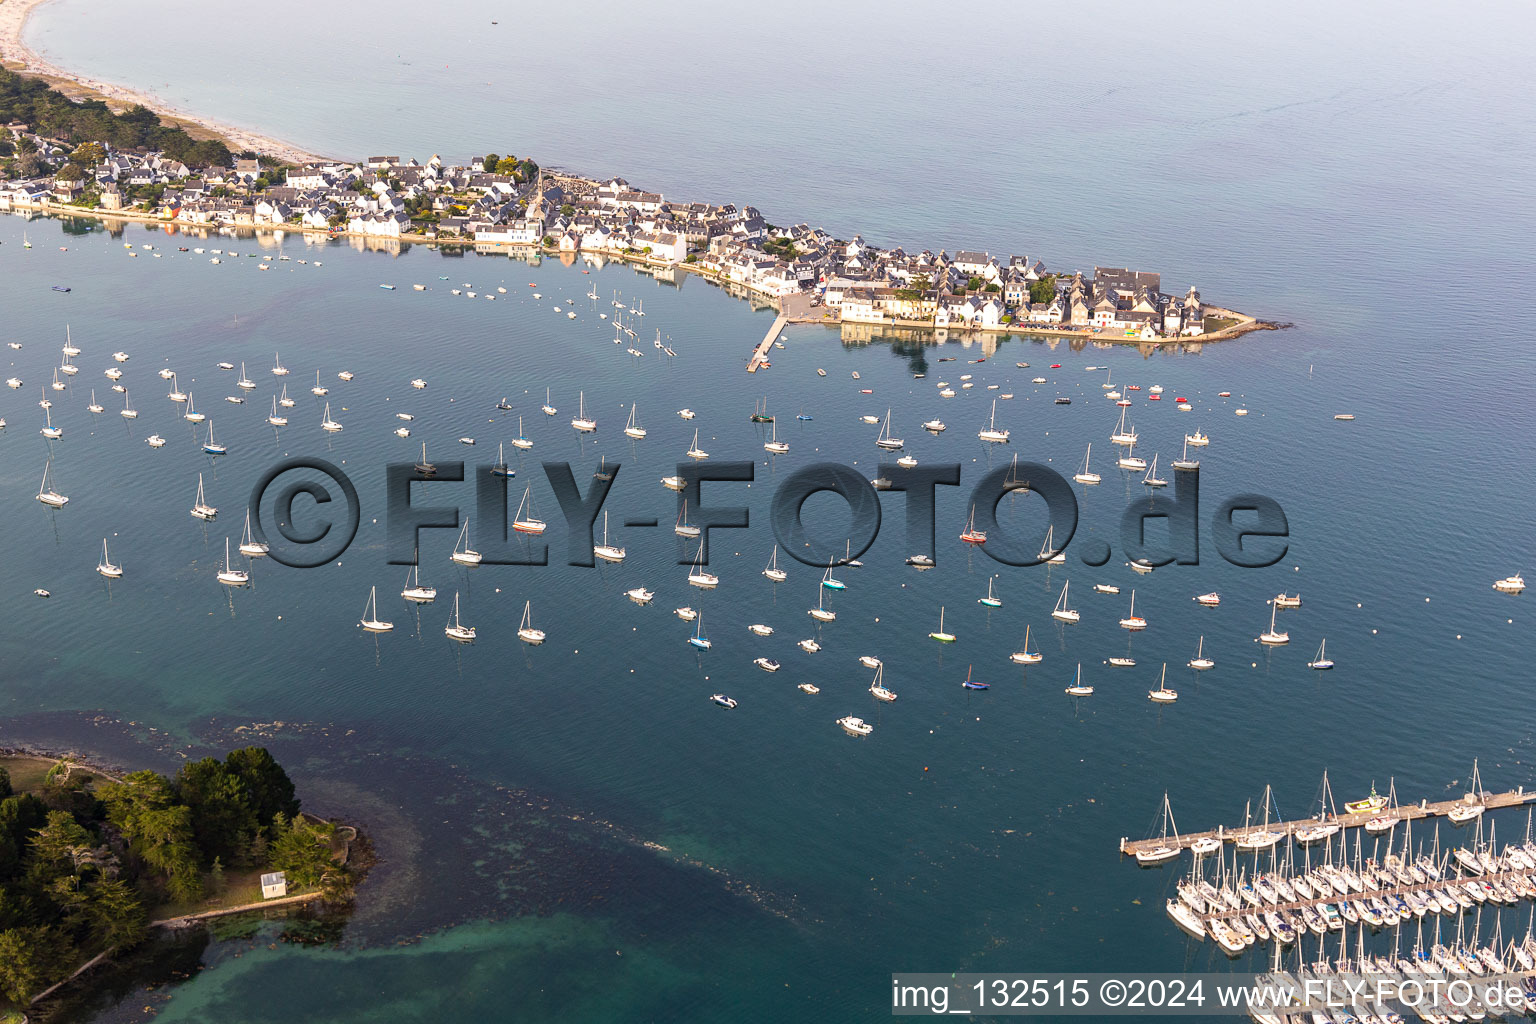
pixel 1410 812
pixel 760 354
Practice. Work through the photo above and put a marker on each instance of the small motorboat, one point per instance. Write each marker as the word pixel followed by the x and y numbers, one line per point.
pixel 1210 600
pixel 61 287
pixel 766 664
pixel 40 592
pixel 809 688
pixel 855 726
pixel 1063 401
pixel 722 700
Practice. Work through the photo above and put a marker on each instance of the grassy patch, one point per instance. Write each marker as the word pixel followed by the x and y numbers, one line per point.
pixel 1218 323
pixel 27 773
pixel 240 888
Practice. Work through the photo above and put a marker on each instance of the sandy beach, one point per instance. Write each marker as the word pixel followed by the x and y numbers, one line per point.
pixel 15 55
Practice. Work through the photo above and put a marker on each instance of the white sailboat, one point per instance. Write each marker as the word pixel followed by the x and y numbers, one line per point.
pixel 462 552
pixel 1152 479
pixel 990 432
pixel 129 412
pixel 878 688
pixel 279 370
pixel 94 407
pixel 283 399
pixel 694 451
pixel 1184 463
pixel 106 566
pixel 456 630
pixel 580 423
pixel 698 639
pixel 1164 850
pixel 1077 689
pixel 699 577
pixel 1271 636
pixel 246 384
pixel 229 575
pixel 192 415
pixel 1122 434
pixel 176 394
pixel 1163 695
pixel 520 442
pixel 885 440
pixel 548 409
pixel 991 600
pixel 939 634
pixel 50 431
pixel 275 419
pixel 683 528
pixel 773 445
pixel 607 552
pixel 773 572
pixel 249 545
pixel 211 446
pixel 1061 611
pixel 525 631
pixel 327 424
pixel 1133 621
pixel 1200 662
pixel 200 508
pixel 1130 460
pixel 414 591
pixel 1026 656
pixel 632 428
pixel 1048 553
pixel 1322 662
pixel 529 523
pixel 1086 475
pixel 319 390
pixel 371 621
pixel 821 613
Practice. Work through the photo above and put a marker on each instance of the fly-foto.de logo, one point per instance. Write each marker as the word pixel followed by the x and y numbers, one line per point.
pixel 307 510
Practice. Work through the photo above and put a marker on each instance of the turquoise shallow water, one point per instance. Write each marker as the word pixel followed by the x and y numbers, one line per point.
pixel 970 831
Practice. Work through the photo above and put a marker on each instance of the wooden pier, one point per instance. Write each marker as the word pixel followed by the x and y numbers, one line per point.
pixel 760 354
pixel 1412 812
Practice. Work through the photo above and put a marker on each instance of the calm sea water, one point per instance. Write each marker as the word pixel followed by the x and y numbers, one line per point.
pixel 1359 181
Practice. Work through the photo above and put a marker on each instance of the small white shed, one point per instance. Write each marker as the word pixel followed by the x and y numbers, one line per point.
pixel 274 885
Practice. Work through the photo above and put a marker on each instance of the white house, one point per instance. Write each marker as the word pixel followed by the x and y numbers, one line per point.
pixel 274 885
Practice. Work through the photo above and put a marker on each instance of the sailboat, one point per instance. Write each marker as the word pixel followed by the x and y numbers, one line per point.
pixel 1130 460
pixel 249 545
pixel 1077 689
pixel 1085 475
pixel 990 431
pixel 1026 656
pixel 885 440
pixel 548 409
pixel 1133 621
pixel 973 684
pixel 1164 850
pixel 877 687
pixel 699 577
pixel 1162 694
pixel 50 431
pixel 520 442
pixel 525 631
pixel 1061 611
pixel 211 446
pixel 632 428
pixel 1152 479
pixel 200 508
pixel 106 568
pixel 1471 805
pixel 456 630
pixel 991 600
pixel 1270 636
pixel 1200 662
pixel 1049 554
pixel 327 424
pixel 830 582
pixel 176 394
pixel 129 412
pixel 230 576
pixel 462 552
pixel 1184 462
pixel 283 399
pixel 760 412
pixel 939 634
pixel 246 384
pixel 821 613
pixel 371 621
pixel 414 591
pixel 527 523
pixel 1122 434
pixel 581 423
pixel 319 390
pixel 94 407
pixel 278 369
pixel 607 552
pixel 275 419
pixel 694 451
pixel 698 639
pixel 773 572
pixel 1322 662
pixel 501 468
pixel 970 534
pixel 773 445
